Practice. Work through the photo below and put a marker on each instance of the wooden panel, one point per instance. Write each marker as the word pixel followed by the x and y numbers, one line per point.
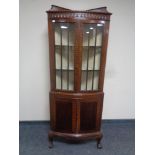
pixel 51 54
pixel 63 116
pixel 52 111
pixel 88 112
pixel 78 57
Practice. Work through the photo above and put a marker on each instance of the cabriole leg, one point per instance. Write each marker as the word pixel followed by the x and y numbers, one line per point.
pixel 99 145
pixel 50 142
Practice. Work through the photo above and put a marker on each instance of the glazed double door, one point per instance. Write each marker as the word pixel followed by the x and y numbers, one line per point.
pixel 73 113
pixel 77 50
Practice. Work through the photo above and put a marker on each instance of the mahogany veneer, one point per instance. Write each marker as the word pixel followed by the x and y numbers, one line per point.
pixel 77 48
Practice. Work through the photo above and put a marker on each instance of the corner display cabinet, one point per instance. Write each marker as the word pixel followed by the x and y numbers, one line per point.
pixel 77 48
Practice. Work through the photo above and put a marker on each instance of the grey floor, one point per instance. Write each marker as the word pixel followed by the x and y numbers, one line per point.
pixel 119 139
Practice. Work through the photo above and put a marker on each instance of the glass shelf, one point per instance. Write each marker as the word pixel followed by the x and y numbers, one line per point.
pixel 90 70
pixel 92 46
pixel 64 69
pixel 63 46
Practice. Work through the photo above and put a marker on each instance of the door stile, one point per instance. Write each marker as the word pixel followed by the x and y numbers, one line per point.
pixel 51 54
pixel 74 116
pixel 103 54
pixel 78 57
pixel 78 116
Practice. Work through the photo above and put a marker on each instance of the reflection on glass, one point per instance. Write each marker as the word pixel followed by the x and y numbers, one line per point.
pixel 64 55
pixel 91 55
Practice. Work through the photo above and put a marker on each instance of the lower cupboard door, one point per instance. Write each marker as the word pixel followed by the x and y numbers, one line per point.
pixel 63 115
pixel 90 115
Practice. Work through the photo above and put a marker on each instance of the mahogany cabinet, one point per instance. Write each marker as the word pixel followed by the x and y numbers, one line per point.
pixel 77 48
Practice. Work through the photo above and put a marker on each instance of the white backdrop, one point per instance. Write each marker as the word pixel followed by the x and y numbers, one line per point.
pixel 34 82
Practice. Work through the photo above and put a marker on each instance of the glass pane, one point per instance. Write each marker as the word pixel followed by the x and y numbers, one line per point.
pixel 71 80
pixel 96 80
pixel 89 80
pixel 83 80
pixel 91 55
pixel 58 79
pixel 58 57
pixel 64 55
pixel 97 58
pixel 64 80
pixel 84 58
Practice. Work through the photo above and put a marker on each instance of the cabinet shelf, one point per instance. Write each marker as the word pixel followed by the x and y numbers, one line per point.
pixel 65 70
pixel 90 46
pixel 58 46
pixel 85 70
